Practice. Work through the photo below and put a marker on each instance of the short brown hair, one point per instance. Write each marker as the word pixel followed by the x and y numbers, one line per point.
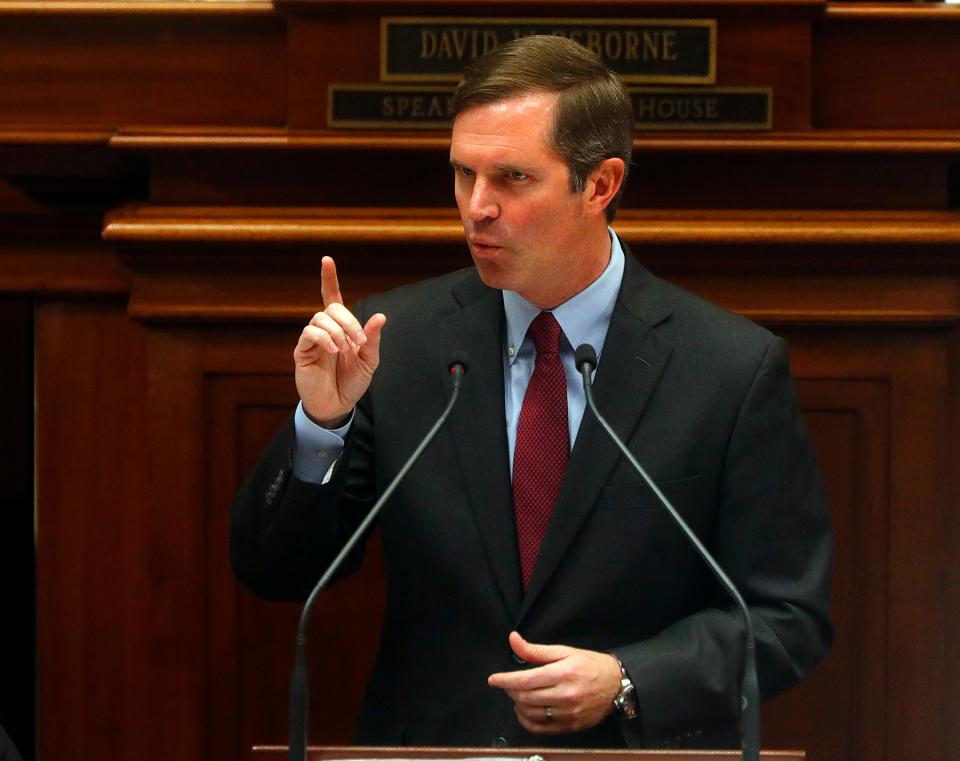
pixel 594 116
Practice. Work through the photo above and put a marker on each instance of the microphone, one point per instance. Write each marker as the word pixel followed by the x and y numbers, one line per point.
pixel 299 685
pixel 458 365
pixel 585 359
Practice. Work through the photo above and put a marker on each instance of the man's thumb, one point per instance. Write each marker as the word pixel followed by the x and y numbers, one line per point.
pixel 534 653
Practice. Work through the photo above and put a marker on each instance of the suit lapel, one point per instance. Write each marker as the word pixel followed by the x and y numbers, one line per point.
pixel 630 366
pixel 479 428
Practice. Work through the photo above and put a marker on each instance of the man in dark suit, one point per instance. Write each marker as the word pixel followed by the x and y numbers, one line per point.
pixel 537 593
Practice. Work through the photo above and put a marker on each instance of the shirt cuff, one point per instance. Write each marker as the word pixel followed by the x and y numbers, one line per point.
pixel 316 449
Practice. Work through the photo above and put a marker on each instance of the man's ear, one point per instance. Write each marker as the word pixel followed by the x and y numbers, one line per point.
pixel 604 183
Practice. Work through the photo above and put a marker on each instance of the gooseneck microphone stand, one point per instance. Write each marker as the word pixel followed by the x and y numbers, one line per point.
pixel 586 360
pixel 299 686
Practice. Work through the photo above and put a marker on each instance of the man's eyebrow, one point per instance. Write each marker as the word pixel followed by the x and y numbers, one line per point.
pixel 514 168
pixel 504 168
pixel 498 167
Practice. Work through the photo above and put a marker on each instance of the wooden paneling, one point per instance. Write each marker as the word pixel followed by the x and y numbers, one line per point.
pixel 253 640
pixel 887 659
pixel 660 180
pixel 746 54
pixel 114 634
pixel 112 70
pixel 302 178
pixel 720 180
pixel 951 562
pixel 880 69
pixel 315 62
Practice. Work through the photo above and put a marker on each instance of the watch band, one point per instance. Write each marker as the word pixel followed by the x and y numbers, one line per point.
pixel 625 701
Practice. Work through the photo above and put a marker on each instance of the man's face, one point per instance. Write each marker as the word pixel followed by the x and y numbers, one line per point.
pixel 524 226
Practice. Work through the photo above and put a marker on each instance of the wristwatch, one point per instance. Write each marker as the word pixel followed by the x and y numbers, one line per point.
pixel 625 701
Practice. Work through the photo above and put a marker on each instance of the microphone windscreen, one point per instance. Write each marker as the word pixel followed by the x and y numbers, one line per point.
pixel 585 354
pixel 460 358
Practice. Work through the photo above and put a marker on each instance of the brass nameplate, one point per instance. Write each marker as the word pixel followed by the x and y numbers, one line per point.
pixel 702 108
pixel 366 106
pixel 641 51
pixel 389 107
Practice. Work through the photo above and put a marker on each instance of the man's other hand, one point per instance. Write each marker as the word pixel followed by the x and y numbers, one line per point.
pixel 335 357
pixel 577 686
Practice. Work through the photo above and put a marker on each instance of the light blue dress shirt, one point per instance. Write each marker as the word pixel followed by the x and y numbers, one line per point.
pixel 584 318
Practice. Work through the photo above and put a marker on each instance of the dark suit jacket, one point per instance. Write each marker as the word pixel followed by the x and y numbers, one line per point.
pixel 8 751
pixel 704 399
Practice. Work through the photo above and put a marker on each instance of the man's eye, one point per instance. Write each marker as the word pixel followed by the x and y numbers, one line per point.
pixel 517 176
pixel 464 171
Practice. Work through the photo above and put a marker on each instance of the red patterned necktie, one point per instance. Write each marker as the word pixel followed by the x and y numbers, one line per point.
pixel 543 443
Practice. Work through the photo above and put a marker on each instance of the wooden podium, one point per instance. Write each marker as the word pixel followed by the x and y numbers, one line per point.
pixel 355 753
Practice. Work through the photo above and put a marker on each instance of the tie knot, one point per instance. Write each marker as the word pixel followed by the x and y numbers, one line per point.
pixel 545 332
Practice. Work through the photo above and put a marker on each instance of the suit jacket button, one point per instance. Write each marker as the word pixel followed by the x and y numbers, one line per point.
pixel 499 742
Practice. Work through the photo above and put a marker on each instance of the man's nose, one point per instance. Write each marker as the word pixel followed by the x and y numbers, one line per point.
pixel 483 202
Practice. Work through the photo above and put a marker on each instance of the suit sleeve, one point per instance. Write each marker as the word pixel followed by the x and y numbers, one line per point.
pixel 284 531
pixel 8 751
pixel 773 539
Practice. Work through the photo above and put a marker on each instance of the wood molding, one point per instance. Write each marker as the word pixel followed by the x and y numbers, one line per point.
pixel 63 271
pixel 47 136
pixel 853 11
pixel 319 753
pixel 562 7
pixel 822 141
pixel 188 262
pixel 136 8
pixel 153 225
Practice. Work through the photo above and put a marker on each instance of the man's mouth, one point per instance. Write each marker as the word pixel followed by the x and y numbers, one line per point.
pixel 483 246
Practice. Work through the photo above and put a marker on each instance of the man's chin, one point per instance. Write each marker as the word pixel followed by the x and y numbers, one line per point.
pixel 491 272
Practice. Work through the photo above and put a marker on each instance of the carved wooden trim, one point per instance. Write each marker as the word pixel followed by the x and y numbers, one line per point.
pixel 934 13
pixel 230 225
pixel 561 7
pixel 43 136
pixel 908 142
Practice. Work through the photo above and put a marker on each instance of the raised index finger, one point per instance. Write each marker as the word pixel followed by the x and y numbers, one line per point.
pixel 329 284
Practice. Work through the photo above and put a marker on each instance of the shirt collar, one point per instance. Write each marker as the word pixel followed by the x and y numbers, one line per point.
pixel 584 317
